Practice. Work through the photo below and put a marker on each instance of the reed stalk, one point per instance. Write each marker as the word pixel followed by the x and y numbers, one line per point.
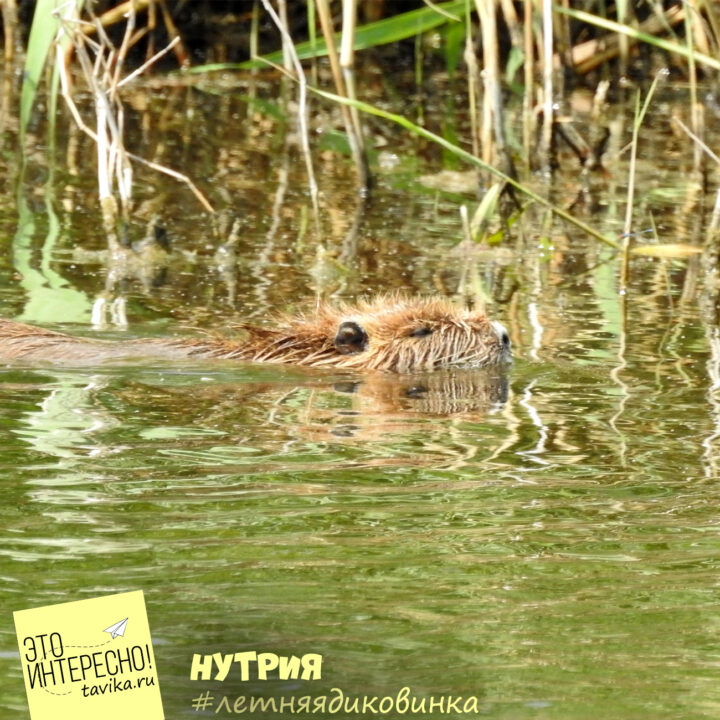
pixel 473 82
pixel 627 226
pixel 513 23
pixel 643 35
pixel 563 38
pixel 302 114
pixel 287 43
pixel 699 142
pixel 491 134
pixel 623 42
pixel 347 64
pixel 695 113
pixel 102 74
pixel 355 139
pixel 529 77
pixel 419 62
pixel 10 28
pixel 548 111
pixel 254 50
pixel 471 159
pixel 714 227
pixel 312 38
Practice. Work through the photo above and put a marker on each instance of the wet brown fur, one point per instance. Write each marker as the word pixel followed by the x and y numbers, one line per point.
pixel 401 335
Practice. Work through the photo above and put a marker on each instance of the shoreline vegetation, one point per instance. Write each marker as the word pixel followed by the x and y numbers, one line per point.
pixel 499 51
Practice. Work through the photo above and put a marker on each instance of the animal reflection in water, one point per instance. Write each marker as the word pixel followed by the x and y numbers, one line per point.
pixel 382 405
pixel 360 406
pixel 445 392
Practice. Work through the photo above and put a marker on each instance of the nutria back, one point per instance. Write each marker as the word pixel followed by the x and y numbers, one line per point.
pixel 390 333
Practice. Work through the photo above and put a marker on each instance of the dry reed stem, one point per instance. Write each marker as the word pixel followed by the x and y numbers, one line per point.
pixel 121 11
pixel 355 140
pixel 105 91
pixel 312 38
pixel 10 28
pixel 178 176
pixel 124 46
pixel 564 37
pixel 113 158
pixel 254 49
pixel 622 10
pixel 695 118
pixel 117 13
pixel 485 113
pixel 710 13
pixel 699 38
pixel 697 140
pixel 172 31
pixel 287 43
pixel 491 110
pixel 588 55
pixel 347 63
pixel 254 33
pixel 473 79
pixel 465 221
pixel 529 76
pixel 328 33
pixel 302 110
pixel 512 21
pixel 547 128
pixel 139 71
pixel 715 218
pixel 627 227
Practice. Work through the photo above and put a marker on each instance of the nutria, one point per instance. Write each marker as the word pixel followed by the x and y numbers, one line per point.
pixel 389 333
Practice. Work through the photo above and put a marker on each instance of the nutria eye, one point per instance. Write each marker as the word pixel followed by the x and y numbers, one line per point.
pixel 416 391
pixel 420 332
pixel 505 339
pixel 350 338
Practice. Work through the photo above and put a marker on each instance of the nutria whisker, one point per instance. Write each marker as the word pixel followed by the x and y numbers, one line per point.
pixel 392 333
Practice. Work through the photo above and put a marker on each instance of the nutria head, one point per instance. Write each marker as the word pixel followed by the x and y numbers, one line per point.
pixel 390 333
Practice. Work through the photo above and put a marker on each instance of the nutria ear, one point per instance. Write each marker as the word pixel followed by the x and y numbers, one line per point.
pixel 350 338
pixel 421 332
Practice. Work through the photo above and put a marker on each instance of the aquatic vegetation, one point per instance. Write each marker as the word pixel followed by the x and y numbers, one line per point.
pixel 541 42
pixel 497 51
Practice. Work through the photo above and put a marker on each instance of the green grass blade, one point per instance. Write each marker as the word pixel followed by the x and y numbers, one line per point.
pixel 637 35
pixel 373 34
pixel 485 211
pixel 470 158
pixel 42 33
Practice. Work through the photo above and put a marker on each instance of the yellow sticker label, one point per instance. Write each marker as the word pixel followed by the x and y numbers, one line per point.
pixel 89 659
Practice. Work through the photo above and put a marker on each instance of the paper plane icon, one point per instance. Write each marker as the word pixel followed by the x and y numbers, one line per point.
pixel 117 629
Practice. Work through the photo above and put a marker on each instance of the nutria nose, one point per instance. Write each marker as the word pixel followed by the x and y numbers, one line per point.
pixel 502 334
